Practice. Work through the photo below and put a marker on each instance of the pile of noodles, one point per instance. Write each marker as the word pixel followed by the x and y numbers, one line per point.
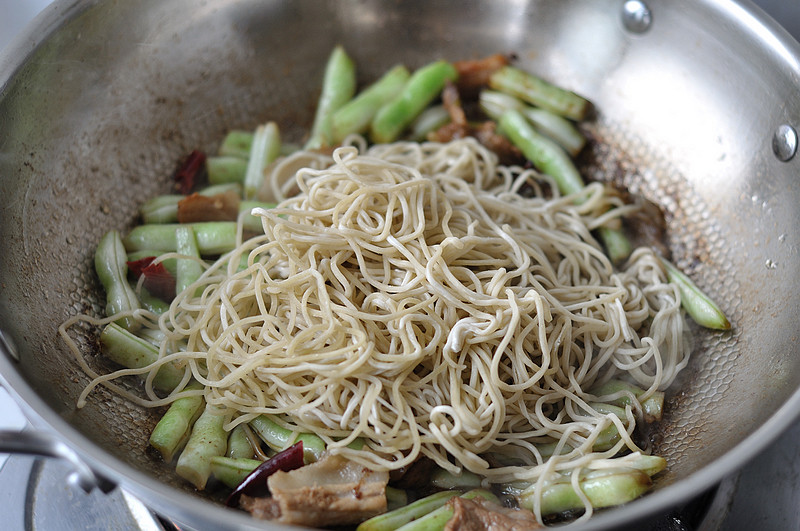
pixel 427 301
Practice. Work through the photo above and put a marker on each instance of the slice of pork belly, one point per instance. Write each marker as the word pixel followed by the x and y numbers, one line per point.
pixel 334 491
pixel 482 515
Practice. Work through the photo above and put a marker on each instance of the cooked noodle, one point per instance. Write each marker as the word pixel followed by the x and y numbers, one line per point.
pixel 430 302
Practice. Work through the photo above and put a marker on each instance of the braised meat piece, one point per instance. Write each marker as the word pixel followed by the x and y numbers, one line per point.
pixel 474 74
pixel 333 491
pixel 478 514
pixel 485 133
pixel 219 207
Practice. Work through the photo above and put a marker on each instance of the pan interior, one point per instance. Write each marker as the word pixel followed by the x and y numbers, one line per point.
pixel 102 110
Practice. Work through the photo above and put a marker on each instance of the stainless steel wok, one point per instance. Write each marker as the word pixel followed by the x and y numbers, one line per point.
pixel 697 102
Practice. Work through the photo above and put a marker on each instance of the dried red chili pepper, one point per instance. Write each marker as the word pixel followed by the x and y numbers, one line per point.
pixel 187 175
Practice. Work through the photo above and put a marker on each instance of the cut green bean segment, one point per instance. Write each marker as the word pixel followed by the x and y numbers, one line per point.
pixel 652 406
pixel 208 440
pixel 494 103
pixel 173 430
pixel 232 471
pixel 239 446
pixel 236 144
pixel 222 188
pixel 161 209
pixel 397 518
pixel 338 87
pixel 539 92
pixel 606 439
pixel 697 304
pixel 128 350
pixel 154 336
pixel 436 520
pixel 250 222
pixel 213 237
pixel 551 125
pixel 356 115
pixel 618 247
pixel 543 153
pixel 395 498
pixel 266 148
pixel 557 128
pixel 604 491
pixel 151 303
pixel 442 479
pixel 280 438
pixel 110 263
pixel 228 169
pixel 422 88
pixel 548 157
pixel 427 122
pixel 190 268
pixel 649 464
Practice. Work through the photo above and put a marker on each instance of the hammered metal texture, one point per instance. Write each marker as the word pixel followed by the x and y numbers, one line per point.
pixel 696 244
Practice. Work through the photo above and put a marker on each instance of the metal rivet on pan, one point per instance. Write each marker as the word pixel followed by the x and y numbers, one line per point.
pixel 636 16
pixel 784 142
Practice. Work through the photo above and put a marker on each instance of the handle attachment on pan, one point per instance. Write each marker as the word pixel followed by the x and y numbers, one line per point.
pixel 41 444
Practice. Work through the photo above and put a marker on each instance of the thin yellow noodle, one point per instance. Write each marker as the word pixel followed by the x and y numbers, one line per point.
pixel 434 303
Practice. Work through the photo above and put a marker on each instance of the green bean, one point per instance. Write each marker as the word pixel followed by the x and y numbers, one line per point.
pixel 266 148
pixel 110 263
pixel 545 154
pixel 392 520
pixel 697 304
pixel 443 479
pixel 128 350
pixel 551 125
pixel 618 246
pixel 154 336
pixel 436 520
pixel 249 221
pixel 226 169
pixel 557 128
pixel 151 303
pixel 190 268
pixel 550 158
pixel 356 115
pixel 605 490
pixel 174 428
pixel 280 438
pixel 232 471
pixel 494 103
pixel 652 406
pixel 208 440
pixel 161 209
pixel 213 237
pixel 539 92
pixel 428 121
pixel 164 208
pixel 649 464
pixel 239 446
pixel 395 498
pixel 236 144
pixel 424 85
pixel 338 87
pixel 222 188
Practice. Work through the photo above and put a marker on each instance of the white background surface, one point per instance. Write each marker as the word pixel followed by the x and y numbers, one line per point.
pixel 14 15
